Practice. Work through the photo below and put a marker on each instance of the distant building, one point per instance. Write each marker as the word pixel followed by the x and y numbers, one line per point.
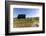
pixel 21 16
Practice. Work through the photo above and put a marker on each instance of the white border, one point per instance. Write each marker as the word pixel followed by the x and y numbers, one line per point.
pixel 25 29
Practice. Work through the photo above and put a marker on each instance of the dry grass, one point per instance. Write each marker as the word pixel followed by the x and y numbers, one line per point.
pixel 27 22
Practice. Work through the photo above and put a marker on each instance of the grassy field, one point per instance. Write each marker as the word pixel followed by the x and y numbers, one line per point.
pixel 27 22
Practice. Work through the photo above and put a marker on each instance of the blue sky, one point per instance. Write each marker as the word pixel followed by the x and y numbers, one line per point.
pixel 30 12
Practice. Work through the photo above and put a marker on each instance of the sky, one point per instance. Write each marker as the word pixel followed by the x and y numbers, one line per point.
pixel 29 12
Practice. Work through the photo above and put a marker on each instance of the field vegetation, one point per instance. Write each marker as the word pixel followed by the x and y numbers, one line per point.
pixel 26 22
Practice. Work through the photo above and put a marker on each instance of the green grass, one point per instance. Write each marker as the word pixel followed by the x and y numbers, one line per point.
pixel 27 22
